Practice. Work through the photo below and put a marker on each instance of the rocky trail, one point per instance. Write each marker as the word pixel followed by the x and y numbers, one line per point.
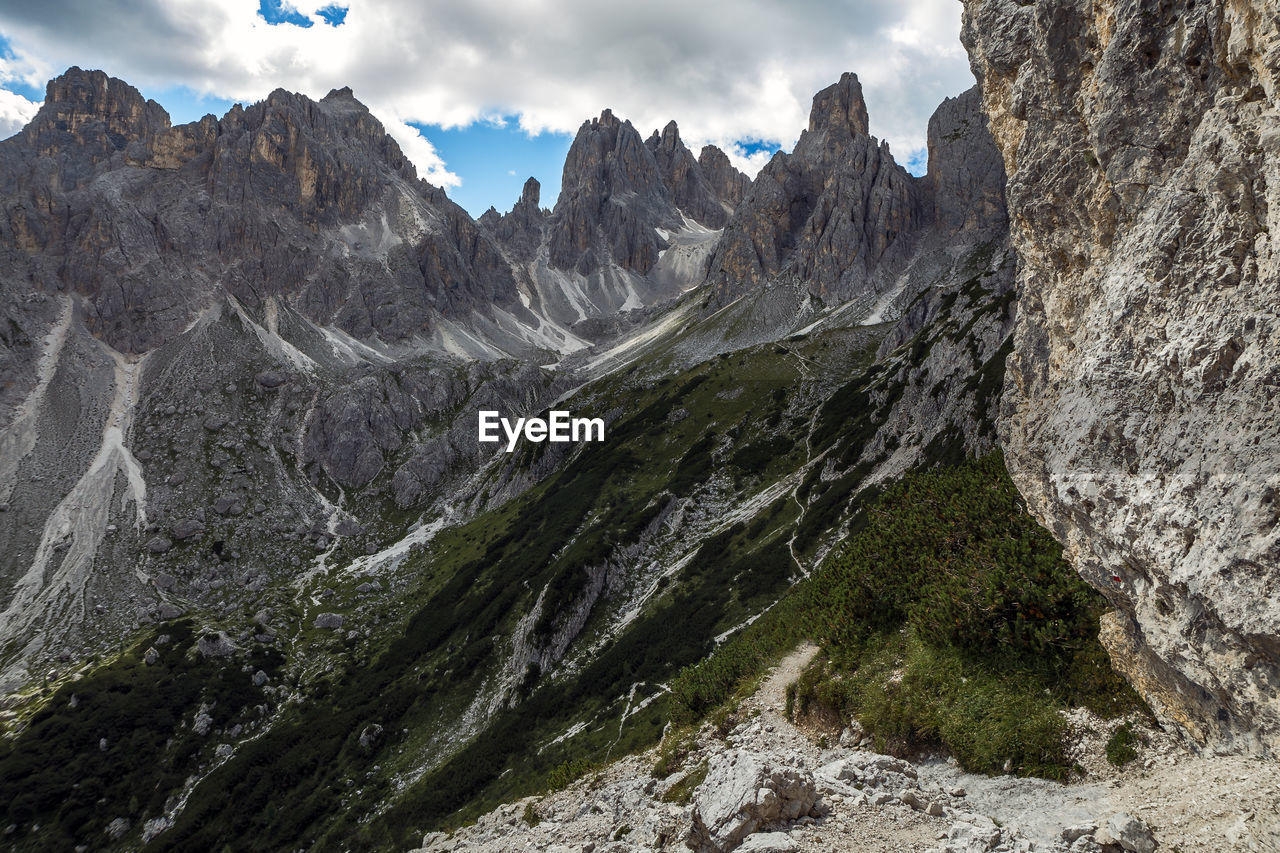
pixel 770 787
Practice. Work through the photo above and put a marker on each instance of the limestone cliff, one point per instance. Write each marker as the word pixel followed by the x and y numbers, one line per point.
pixel 1141 412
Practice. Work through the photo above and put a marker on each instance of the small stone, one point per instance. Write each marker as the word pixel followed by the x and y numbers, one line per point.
pixel 911 798
pixel 151 656
pixel 215 644
pixel 370 736
pixel 768 842
pixel 1130 832
pixel 117 828
pixel 1080 830
pixel 223 751
pixel 168 611
pixel 270 379
pixel 935 809
pixel 188 528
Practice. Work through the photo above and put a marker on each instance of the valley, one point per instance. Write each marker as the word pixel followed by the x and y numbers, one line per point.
pixel 335 519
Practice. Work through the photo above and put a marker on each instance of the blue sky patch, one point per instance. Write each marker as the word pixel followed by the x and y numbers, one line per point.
pixel 281 12
pixel 333 14
pixel 753 146
pixel 31 93
pixel 187 105
pixel 917 162
pixel 494 159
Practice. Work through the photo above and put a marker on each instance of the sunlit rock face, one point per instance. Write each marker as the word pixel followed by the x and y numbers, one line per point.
pixel 1141 418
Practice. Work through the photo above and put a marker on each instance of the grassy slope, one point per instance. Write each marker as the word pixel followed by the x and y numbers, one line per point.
pixel 740 443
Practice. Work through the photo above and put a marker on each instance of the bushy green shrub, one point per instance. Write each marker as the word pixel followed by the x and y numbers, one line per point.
pixel 948 618
pixel 1122 746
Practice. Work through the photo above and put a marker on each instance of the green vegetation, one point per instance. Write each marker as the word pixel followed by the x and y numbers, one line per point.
pixel 681 792
pixel 117 742
pixel 476 582
pixel 1122 746
pixel 674 750
pixel 946 617
pixel 950 619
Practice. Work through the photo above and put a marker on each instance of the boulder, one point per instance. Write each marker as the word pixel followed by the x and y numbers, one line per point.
pixel 1127 831
pixel 744 792
pixel 188 528
pixel 159 544
pixel 329 621
pixel 215 644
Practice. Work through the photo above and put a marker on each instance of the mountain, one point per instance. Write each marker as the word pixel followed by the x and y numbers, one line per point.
pixel 1139 413
pixel 263 587
pixel 243 366
pixel 633 226
pixel 841 216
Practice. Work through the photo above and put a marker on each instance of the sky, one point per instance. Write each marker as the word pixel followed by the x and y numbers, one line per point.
pixel 483 94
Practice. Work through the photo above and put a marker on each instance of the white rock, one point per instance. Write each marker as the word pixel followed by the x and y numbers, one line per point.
pixel 743 792
pixel 1071 833
pixel 1131 834
pixel 768 842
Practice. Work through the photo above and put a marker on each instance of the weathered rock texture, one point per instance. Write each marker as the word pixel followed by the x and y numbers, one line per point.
pixel 205 326
pixel 1142 404
pixel 841 216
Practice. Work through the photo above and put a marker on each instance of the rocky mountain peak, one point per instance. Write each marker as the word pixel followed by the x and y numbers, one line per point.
pixel 531 194
pixel 608 160
pixel 78 97
pixel 840 107
pixel 667 140
pixel 725 179
pixel 837 211
pixel 94 115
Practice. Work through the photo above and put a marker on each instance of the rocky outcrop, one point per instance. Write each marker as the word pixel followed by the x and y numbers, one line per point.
pixel 690 189
pixel 726 181
pixel 841 216
pixel 745 792
pixel 521 231
pixel 618 190
pixel 1141 411
pixel 308 201
pixel 611 199
pixel 831 212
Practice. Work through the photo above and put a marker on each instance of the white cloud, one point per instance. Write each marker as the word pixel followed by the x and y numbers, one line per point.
pixel 724 71
pixel 15 112
pixel 420 151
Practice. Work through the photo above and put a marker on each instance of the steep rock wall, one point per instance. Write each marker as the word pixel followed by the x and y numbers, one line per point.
pixel 1141 415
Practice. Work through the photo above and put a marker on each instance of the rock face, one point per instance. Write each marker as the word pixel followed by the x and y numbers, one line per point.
pixel 691 190
pixel 306 201
pixel 1142 404
pixel 726 181
pixel 617 190
pixel 829 212
pixel 841 216
pixel 633 226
